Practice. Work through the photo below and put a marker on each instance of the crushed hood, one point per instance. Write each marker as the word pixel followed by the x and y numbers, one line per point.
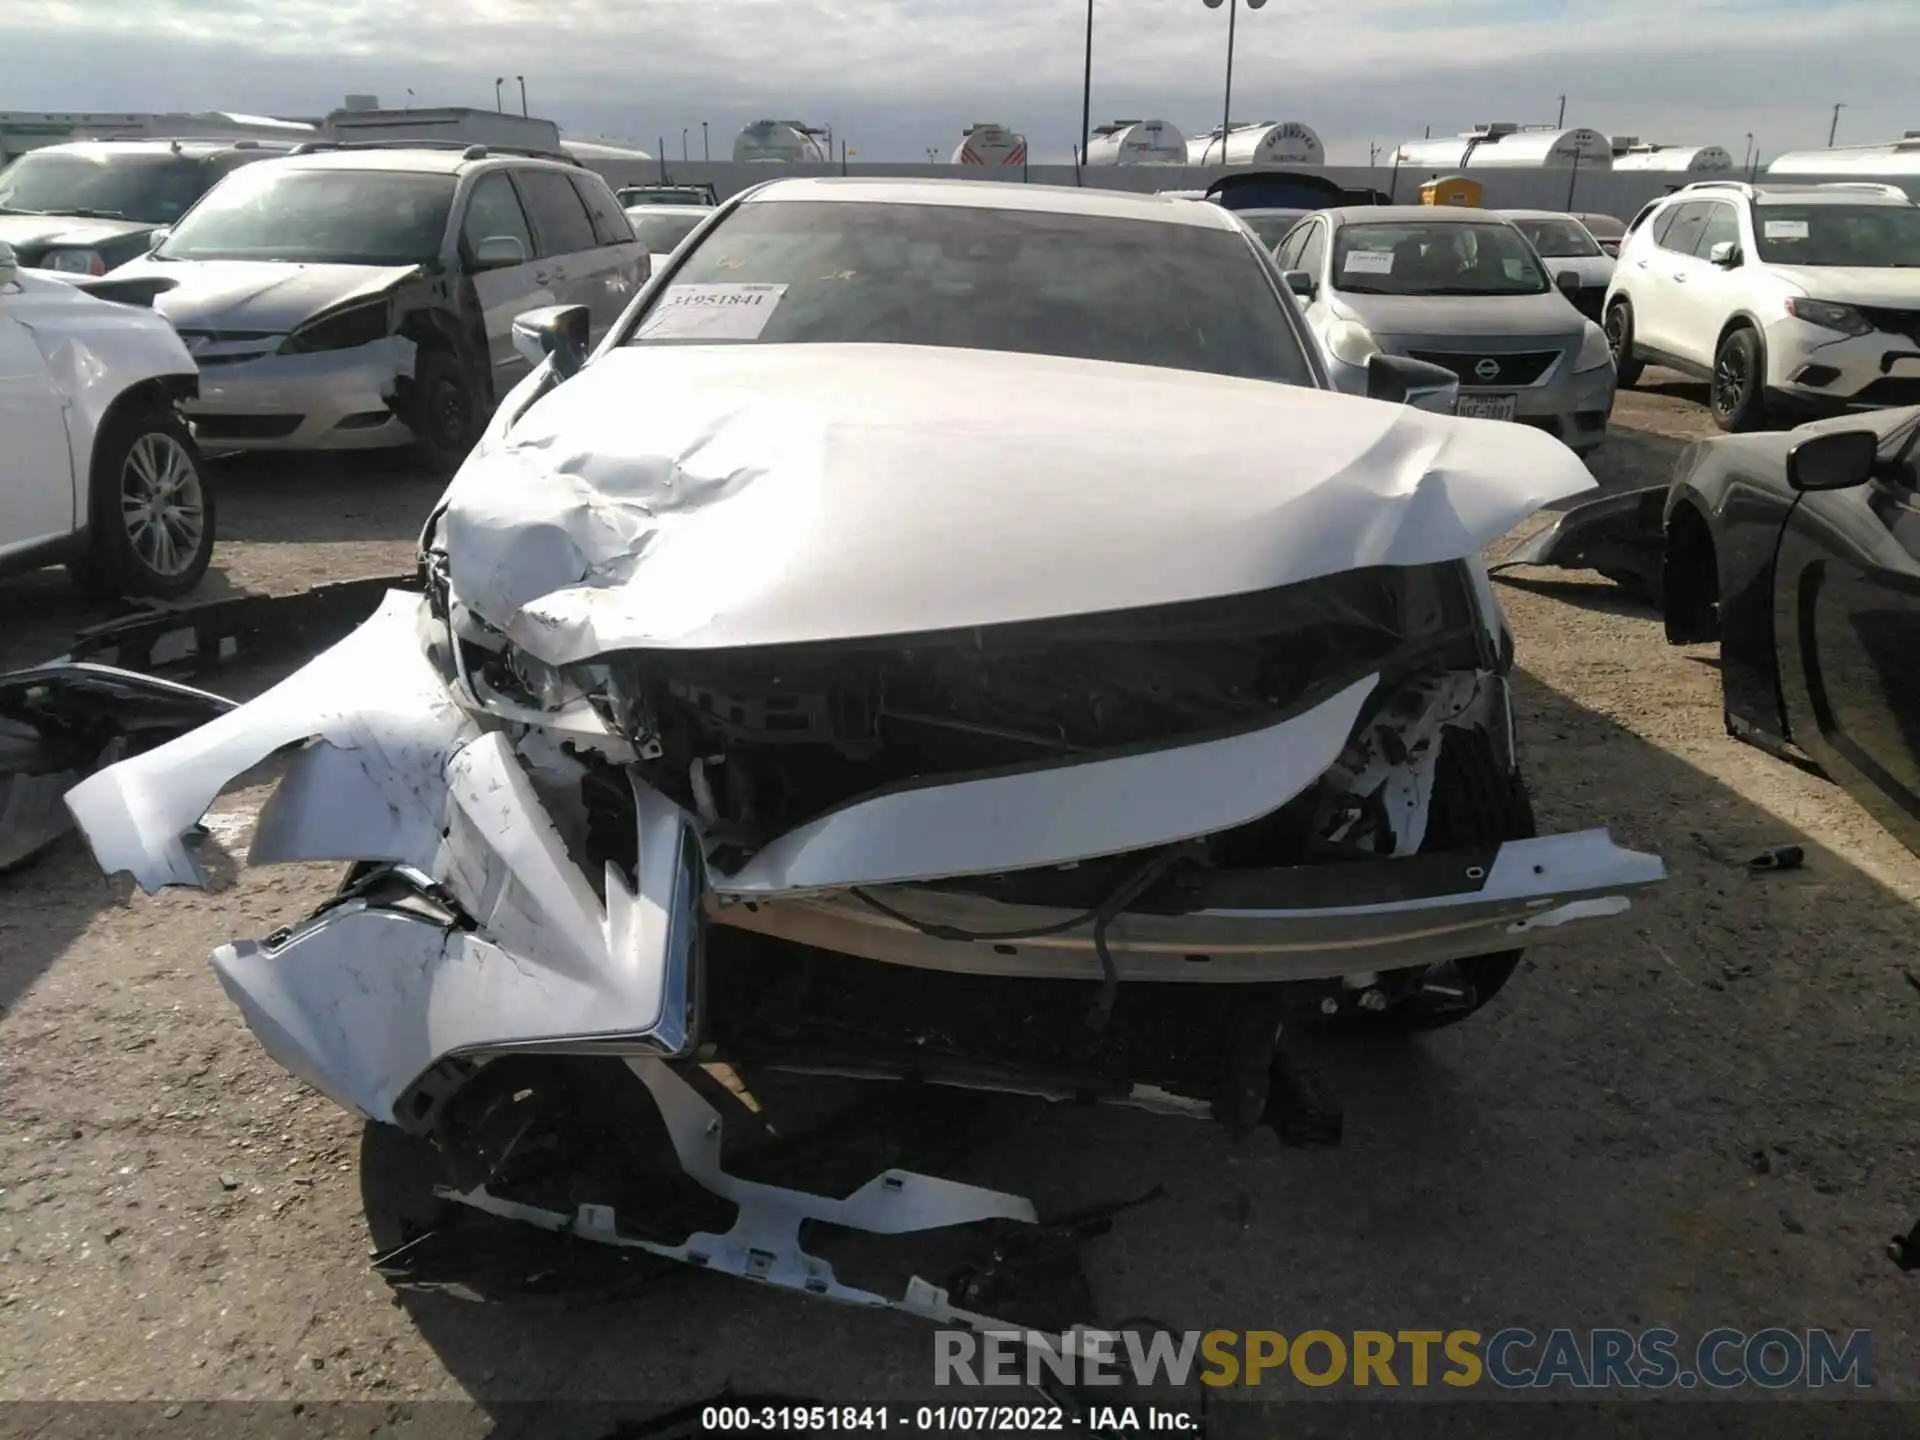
pixel 260 295
pixel 1544 316
pixel 691 497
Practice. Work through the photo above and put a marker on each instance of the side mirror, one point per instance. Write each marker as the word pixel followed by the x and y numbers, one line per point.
pixel 1835 460
pixel 9 262
pixel 157 237
pixel 1302 283
pixel 1402 381
pixel 559 331
pixel 1567 283
pixel 497 252
pixel 1726 254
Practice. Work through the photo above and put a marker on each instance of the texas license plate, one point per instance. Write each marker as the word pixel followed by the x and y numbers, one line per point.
pixel 1486 407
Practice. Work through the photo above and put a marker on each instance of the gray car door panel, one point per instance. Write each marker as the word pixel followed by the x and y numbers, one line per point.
pixel 494 212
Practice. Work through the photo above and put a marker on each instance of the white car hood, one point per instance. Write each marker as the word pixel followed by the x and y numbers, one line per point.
pixel 1546 315
pixel 721 496
pixel 1854 285
pixel 258 295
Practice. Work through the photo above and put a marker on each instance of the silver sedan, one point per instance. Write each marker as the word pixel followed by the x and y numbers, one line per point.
pixel 1460 288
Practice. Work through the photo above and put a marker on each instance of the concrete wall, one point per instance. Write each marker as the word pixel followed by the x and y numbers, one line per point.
pixel 1600 191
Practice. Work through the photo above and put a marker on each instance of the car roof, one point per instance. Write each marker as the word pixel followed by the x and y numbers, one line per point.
pixel 698 212
pixel 424 161
pixel 1538 214
pixel 994 195
pixel 189 148
pixel 1399 214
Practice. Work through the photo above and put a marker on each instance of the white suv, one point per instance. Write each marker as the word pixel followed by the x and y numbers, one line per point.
pixel 97 467
pixel 1785 298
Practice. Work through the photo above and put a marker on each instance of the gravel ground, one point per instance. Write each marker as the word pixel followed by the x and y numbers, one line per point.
pixel 1703 1118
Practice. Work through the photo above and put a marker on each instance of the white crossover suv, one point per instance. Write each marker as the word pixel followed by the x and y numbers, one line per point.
pixel 97 467
pixel 1787 299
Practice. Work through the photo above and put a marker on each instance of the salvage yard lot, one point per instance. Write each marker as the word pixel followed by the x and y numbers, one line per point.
pixel 1703 1116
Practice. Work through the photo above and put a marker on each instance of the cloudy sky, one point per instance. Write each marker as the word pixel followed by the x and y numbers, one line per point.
pixel 895 77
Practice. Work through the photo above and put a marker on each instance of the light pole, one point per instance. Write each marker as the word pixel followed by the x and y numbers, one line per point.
pixel 523 94
pixel 1561 123
pixel 706 150
pixel 498 81
pixel 1226 118
pixel 1834 128
pixel 1086 88
pixel 683 143
pixel 1749 151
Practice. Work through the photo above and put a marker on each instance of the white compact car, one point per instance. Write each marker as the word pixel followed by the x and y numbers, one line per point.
pixel 97 467
pixel 1788 299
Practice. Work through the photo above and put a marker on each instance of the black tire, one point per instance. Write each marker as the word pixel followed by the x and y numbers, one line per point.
pixel 1739 387
pixel 1475 802
pixel 446 411
pixel 150 508
pixel 1619 328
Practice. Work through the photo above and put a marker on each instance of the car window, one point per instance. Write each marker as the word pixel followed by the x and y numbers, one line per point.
pixel 1867 236
pixel 661 234
pixel 493 211
pixel 1435 257
pixel 1287 252
pixel 131 185
pixel 1683 231
pixel 1315 250
pixel 326 215
pixel 1557 239
pixel 1723 224
pixel 609 225
pixel 559 217
pixel 1095 287
pixel 1269 226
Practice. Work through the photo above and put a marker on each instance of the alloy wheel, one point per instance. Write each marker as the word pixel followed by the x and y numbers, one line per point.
pixel 162 505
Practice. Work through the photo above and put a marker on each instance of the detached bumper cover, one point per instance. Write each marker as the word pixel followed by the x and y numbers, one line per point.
pixel 496 941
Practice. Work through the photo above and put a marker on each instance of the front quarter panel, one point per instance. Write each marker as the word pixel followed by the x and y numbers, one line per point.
pixel 96 351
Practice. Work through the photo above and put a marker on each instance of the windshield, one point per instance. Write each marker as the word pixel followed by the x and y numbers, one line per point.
pixel 156 188
pixel 1136 292
pixel 662 233
pixel 1870 236
pixel 1603 227
pixel 1272 225
pixel 341 217
pixel 1558 239
pixel 1424 257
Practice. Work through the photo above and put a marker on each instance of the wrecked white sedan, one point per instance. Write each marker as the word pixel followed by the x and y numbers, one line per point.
pixel 947 632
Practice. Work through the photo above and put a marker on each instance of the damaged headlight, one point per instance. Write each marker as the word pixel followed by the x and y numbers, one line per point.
pixel 343 329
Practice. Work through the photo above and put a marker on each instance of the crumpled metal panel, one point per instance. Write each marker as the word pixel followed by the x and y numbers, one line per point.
pixel 790 493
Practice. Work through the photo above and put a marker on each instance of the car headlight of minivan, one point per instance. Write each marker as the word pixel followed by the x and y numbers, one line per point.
pixel 1350 343
pixel 342 329
pixel 1594 350
pixel 75 262
pixel 1829 316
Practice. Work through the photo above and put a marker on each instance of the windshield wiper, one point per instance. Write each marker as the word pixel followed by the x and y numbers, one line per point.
pixel 1364 290
pixel 86 214
pixel 16 210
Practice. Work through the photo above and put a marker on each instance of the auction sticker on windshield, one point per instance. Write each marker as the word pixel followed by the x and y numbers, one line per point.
pixel 1786 229
pixel 1368 262
pixel 712 312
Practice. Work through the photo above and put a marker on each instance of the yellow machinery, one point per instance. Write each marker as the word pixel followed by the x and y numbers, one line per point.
pixel 1451 190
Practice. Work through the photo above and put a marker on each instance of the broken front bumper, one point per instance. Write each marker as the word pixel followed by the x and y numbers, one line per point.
pixel 481 935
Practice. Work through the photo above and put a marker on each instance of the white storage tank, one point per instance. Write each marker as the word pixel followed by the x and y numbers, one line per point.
pixel 985 143
pixel 1892 157
pixel 783 142
pixel 1502 143
pixel 1270 142
pixel 1137 142
pixel 1691 159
